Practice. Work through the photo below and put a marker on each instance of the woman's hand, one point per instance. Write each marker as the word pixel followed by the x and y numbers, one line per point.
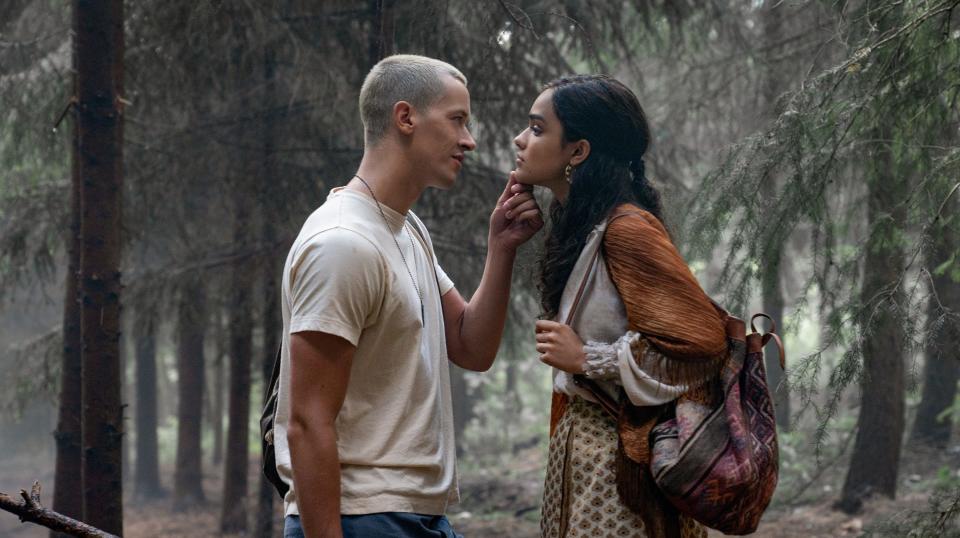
pixel 559 346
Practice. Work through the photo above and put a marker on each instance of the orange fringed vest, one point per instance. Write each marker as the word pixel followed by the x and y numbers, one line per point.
pixel 663 300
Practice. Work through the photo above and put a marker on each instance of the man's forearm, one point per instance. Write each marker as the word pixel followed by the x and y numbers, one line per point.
pixel 316 477
pixel 481 327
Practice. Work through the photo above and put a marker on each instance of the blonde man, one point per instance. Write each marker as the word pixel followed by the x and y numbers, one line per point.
pixel 364 424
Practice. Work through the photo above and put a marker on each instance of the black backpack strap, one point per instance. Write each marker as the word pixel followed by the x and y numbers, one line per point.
pixel 274 377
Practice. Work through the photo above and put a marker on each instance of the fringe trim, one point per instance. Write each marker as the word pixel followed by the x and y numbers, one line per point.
pixel 639 493
pixel 692 373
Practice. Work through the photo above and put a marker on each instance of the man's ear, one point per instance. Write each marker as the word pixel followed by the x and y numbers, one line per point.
pixel 581 150
pixel 403 117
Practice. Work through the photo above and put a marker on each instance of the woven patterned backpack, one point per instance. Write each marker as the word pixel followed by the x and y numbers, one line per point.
pixel 718 464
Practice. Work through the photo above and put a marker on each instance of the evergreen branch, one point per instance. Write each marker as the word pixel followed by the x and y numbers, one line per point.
pixel 924 233
pixel 526 24
pixel 821 469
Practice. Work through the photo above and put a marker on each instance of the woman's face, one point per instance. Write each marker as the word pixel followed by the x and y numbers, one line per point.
pixel 542 154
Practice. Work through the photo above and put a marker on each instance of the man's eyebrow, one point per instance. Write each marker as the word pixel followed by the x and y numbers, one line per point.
pixel 536 117
pixel 460 112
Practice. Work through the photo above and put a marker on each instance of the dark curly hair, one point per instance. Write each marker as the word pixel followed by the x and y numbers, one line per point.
pixel 607 114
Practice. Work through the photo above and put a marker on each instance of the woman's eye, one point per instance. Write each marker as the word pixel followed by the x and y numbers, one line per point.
pixel 536 129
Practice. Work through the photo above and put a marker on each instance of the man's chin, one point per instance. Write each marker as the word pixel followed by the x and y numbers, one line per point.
pixel 445 183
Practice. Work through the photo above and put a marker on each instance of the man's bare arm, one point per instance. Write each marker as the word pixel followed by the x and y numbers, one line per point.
pixel 320 370
pixel 474 329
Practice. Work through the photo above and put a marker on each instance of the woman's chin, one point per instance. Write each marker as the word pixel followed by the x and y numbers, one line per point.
pixel 524 179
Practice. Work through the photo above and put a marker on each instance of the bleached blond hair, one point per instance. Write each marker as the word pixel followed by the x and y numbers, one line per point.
pixel 417 80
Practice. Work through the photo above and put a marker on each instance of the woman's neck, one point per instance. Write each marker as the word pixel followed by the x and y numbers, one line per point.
pixel 560 190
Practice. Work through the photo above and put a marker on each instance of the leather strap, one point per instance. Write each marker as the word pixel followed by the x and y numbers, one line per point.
pixel 593 263
pixel 770 334
pixel 583 286
pixel 610 405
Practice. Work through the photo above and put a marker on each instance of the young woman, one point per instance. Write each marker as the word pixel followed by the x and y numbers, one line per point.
pixel 624 318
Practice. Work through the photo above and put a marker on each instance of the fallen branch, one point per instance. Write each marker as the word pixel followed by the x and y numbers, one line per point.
pixel 31 510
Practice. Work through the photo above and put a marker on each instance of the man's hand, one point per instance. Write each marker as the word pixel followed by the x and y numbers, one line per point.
pixel 559 346
pixel 516 218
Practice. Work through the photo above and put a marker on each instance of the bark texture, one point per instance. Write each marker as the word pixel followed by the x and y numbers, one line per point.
pixel 187 477
pixel 876 453
pixel 99 37
pixel 146 471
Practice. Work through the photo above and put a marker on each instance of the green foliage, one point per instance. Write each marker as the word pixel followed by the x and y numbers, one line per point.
pixel 817 145
pixel 805 475
pixel 951 413
pixel 939 520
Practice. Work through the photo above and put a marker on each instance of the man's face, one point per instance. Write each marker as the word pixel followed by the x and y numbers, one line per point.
pixel 441 138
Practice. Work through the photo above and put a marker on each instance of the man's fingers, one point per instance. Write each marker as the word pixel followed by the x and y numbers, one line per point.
pixel 507 192
pixel 544 336
pixel 532 216
pixel 542 347
pixel 515 208
pixel 517 199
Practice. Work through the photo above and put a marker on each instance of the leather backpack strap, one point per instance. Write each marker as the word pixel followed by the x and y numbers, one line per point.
pixel 593 263
pixel 607 402
pixel 771 334
pixel 583 286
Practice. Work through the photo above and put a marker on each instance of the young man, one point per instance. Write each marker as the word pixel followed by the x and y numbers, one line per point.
pixel 364 429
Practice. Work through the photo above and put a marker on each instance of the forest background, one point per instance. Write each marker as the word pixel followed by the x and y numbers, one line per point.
pixel 808 153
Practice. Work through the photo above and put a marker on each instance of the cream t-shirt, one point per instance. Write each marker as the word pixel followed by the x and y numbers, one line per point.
pixel 344 276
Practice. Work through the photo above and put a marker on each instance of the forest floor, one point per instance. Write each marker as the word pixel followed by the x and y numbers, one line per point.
pixel 505 503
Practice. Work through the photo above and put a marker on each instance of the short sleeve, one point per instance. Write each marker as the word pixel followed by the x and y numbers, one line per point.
pixel 337 283
pixel 444 281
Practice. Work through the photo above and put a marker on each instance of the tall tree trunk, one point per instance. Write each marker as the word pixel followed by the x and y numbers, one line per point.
pixel 146 474
pixel 876 452
pixel 233 516
pixel 188 475
pixel 272 325
pixel 382 30
pixel 68 481
pixel 99 35
pixel 216 419
pixel 941 370
pixel 771 277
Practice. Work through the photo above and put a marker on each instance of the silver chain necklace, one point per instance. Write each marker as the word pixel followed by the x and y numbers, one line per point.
pixel 400 250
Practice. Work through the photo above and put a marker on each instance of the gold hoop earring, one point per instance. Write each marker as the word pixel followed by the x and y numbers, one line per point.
pixel 567 172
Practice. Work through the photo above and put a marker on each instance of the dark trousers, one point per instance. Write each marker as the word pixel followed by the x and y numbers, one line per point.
pixel 383 525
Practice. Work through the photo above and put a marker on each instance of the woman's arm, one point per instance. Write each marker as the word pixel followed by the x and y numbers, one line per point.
pixel 663 300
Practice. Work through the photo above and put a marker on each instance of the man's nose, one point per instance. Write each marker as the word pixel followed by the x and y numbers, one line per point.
pixel 468 143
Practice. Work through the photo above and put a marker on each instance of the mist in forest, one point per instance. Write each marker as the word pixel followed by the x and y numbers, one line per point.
pixel 807 153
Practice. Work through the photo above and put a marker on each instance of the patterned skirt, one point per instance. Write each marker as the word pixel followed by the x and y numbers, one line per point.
pixel 580 493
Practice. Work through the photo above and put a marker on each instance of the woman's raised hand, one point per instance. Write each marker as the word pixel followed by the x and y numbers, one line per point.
pixel 559 346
